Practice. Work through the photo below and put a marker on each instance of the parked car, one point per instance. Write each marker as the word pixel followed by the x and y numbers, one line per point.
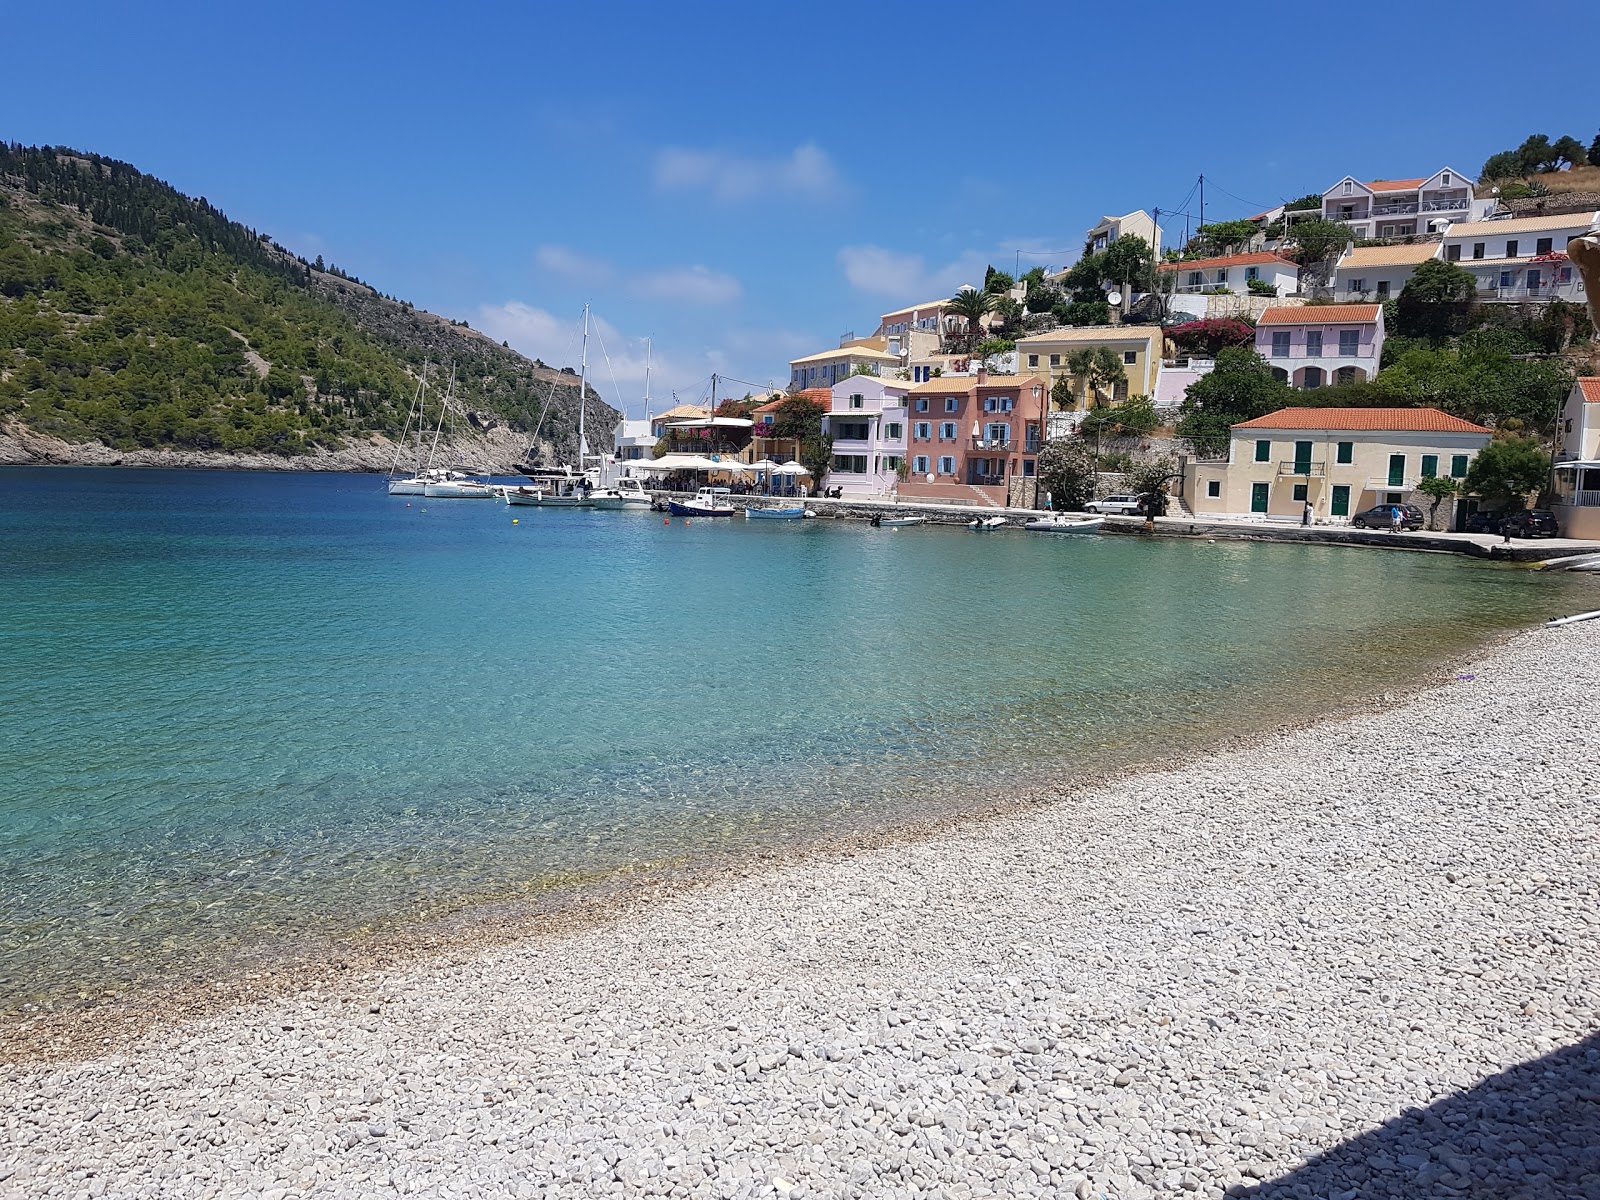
pixel 1533 522
pixel 1382 517
pixel 1484 521
pixel 1125 506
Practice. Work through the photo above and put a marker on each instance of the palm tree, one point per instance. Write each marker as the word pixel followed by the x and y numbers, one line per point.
pixel 974 306
pixel 1097 369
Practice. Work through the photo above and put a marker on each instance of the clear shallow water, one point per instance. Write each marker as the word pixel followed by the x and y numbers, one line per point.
pixel 246 710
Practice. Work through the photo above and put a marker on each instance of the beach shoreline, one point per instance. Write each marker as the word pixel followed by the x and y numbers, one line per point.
pixel 478 925
pixel 1180 980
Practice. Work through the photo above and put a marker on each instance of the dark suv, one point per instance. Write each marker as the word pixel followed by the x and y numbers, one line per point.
pixel 1534 522
pixel 1485 520
pixel 1382 517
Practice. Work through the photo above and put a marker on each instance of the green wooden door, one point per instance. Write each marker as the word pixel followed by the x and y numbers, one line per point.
pixel 1302 458
pixel 1258 497
pixel 1397 470
pixel 1339 504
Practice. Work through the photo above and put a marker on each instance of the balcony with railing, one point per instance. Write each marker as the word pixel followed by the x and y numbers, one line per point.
pixel 1383 483
pixel 994 445
pixel 1301 468
pixel 1531 291
pixel 1402 209
pixel 1447 204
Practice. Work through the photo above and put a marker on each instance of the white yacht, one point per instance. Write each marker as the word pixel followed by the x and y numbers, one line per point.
pixel 628 493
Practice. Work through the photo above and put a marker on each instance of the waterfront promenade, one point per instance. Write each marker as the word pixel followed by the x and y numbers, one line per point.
pixel 1313 965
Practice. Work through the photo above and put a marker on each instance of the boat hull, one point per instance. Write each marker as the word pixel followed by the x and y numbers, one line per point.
pixel 680 509
pixel 775 514
pixel 458 491
pixel 618 503
pixel 900 522
pixel 539 500
pixel 1049 526
pixel 407 487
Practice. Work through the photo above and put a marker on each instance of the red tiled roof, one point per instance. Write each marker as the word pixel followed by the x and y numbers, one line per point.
pixel 1376 420
pixel 1396 185
pixel 1321 314
pixel 1591 389
pixel 822 396
pixel 1258 259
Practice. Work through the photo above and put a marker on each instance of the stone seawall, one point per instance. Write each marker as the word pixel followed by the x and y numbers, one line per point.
pixel 1481 546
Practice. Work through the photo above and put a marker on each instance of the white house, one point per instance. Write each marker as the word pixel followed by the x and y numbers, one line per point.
pixel 1378 272
pixel 1138 223
pixel 1577 469
pixel 867 418
pixel 1523 258
pixel 1234 273
pixel 1387 208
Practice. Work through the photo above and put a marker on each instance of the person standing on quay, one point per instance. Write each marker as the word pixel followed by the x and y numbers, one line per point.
pixel 1307 514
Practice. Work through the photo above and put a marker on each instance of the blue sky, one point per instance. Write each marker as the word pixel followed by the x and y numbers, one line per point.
pixel 745 183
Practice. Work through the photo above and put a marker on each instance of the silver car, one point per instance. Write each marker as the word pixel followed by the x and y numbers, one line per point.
pixel 1124 506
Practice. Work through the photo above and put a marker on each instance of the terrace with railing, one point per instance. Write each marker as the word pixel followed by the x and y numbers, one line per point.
pixel 1301 467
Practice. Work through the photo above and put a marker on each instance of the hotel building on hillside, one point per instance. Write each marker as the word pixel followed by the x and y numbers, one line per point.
pixel 1234 273
pixel 1395 208
pixel 1342 460
pixel 1524 258
pixel 826 368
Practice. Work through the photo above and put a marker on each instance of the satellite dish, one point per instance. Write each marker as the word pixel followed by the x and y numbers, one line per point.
pixel 930 476
pixel 1113 297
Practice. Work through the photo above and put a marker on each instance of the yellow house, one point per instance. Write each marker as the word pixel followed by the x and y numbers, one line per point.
pixel 1343 460
pixel 1137 346
pixel 828 367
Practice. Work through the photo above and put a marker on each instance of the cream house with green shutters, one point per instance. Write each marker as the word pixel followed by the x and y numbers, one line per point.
pixel 1343 460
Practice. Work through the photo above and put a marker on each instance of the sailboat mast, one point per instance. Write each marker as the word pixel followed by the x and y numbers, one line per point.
pixel 583 388
pixel 649 351
pixel 444 407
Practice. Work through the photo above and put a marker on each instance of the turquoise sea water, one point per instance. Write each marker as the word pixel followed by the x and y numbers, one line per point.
pixel 242 711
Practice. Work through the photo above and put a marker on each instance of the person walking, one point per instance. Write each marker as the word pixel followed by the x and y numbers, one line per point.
pixel 1307 514
pixel 1396 520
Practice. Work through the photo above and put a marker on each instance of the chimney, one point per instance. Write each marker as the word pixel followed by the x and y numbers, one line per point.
pixel 983 373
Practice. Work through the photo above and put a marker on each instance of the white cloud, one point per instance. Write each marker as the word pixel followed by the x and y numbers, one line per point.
pixel 569 264
pixel 683 285
pixel 689 285
pixel 907 277
pixel 613 355
pixel 807 172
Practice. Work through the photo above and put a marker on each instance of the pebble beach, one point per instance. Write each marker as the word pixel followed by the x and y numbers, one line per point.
pixel 1356 959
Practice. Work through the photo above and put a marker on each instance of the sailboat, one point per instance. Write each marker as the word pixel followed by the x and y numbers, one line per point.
pixel 562 487
pixel 447 484
pixel 413 485
pixel 627 492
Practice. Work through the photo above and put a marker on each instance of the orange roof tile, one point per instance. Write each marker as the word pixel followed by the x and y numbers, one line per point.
pixel 942 385
pixel 1257 259
pixel 823 396
pixel 1321 314
pixel 1591 389
pixel 1396 185
pixel 1375 420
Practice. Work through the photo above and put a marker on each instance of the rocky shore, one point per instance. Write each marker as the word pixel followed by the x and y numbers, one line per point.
pixel 496 450
pixel 1361 959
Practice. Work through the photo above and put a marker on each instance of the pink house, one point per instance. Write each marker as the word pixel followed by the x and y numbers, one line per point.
pixel 977 437
pixel 1314 345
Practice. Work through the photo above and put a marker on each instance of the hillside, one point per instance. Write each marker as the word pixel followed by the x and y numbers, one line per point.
pixel 138 324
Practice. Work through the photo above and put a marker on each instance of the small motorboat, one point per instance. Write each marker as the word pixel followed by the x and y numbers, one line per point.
pixel 982 524
pixel 797 513
pixel 1061 523
pixel 629 493
pixel 707 502
pixel 883 522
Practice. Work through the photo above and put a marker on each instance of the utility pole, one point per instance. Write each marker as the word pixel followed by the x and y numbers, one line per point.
pixel 1202 201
